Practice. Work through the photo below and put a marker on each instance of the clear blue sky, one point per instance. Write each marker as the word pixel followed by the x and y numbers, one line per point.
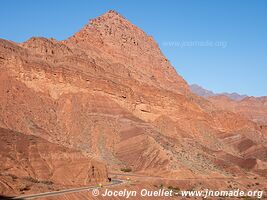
pixel 241 24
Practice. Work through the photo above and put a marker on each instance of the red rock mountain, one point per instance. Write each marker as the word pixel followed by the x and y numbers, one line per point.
pixel 198 90
pixel 133 53
pixel 108 93
pixel 253 108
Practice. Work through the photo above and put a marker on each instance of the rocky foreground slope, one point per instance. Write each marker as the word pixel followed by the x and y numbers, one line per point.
pixel 31 164
pixel 109 93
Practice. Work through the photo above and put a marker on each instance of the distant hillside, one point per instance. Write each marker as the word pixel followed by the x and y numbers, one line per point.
pixel 200 91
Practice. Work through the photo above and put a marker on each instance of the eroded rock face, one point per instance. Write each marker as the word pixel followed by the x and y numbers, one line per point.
pixel 109 92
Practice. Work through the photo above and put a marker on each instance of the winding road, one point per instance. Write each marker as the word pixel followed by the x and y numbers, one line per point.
pixel 59 192
pixel 116 181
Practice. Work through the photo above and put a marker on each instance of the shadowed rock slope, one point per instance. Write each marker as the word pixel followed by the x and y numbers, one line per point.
pixel 30 164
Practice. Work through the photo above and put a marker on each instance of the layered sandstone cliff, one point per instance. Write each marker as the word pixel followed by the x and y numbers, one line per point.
pixel 109 93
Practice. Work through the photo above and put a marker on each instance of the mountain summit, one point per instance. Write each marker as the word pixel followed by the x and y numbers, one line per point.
pixel 113 36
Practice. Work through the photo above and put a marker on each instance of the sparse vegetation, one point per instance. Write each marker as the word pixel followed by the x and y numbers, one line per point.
pixel 31 179
pixel 126 169
pixel 159 186
pixel 46 182
pixel 176 189
pixel 24 187
pixel 14 177
pixel 247 198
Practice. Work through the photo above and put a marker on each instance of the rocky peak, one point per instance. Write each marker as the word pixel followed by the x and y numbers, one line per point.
pixel 116 31
pixel 117 39
pixel 111 14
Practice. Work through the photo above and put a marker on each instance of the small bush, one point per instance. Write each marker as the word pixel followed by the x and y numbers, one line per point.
pixel 174 188
pixel 31 179
pixel 46 182
pixel 14 177
pixel 126 169
pixel 24 188
pixel 247 198
pixel 158 186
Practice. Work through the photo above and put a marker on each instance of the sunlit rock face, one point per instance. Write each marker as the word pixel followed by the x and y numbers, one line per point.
pixel 108 93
